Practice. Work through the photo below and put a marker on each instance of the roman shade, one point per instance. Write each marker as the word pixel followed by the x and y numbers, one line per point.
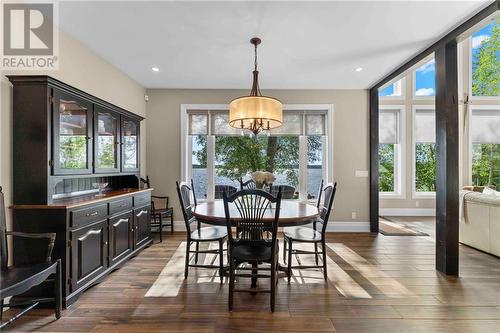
pixel 425 126
pixel 485 126
pixel 388 126
pixel 198 124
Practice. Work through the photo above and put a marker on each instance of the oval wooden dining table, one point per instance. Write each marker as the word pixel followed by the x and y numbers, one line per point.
pixel 292 213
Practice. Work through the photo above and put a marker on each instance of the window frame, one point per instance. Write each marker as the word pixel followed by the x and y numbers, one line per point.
pixel 415 194
pixel 399 155
pixel 186 144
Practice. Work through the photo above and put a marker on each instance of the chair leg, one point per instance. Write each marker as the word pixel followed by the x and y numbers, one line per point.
pixel 289 260
pixel 316 254
pixel 284 250
pixel 231 284
pixel 58 289
pixel 196 254
pixel 1 310
pixel 161 227
pixel 325 272
pixel 221 261
pixel 273 284
pixel 188 246
pixel 172 222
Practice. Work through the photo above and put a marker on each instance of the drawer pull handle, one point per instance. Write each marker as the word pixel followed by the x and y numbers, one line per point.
pixel 92 214
pixel 142 212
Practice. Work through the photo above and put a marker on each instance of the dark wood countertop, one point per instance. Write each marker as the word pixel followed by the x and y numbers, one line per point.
pixel 83 200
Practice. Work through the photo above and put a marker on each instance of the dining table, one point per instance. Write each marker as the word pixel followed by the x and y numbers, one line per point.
pixel 293 213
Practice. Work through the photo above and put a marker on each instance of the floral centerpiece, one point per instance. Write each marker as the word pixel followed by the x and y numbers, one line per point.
pixel 262 178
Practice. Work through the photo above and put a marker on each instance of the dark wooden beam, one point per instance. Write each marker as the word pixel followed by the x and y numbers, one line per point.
pixel 447 186
pixel 374 193
pixel 449 37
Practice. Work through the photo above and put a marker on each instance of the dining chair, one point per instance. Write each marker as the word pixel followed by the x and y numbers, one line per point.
pixel 255 241
pixel 249 184
pixel 21 277
pixel 160 211
pixel 219 189
pixel 287 191
pixel 311 235
pixel 200 235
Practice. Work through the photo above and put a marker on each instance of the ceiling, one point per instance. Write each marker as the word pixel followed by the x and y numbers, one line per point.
pixel 306 45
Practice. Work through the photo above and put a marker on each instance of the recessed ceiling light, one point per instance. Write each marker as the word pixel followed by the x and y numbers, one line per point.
pixel 359 69
pixel 155 69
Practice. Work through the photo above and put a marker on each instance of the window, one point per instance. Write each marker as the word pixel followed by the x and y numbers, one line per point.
pixel 220 155
pixel 485 146
pixel 424 134
pixel 485 60
pixel 393 90
pixel 424 79
pixel 390 150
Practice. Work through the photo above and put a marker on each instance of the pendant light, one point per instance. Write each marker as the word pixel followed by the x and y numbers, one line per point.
pixel 255 112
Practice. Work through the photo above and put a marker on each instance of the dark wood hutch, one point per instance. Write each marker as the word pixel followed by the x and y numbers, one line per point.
pixel 65 142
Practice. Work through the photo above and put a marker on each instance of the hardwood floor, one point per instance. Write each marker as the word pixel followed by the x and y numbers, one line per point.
pixel 376 284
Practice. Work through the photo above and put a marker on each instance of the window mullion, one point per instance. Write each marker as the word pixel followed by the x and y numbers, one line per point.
pixel 303 167
pixel 210 167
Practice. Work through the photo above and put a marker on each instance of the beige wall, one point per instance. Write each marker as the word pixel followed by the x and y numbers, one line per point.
pixel 350 139
pixel 83 69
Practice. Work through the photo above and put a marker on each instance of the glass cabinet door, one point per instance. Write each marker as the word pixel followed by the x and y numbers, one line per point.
pixel 72 148
pixel 106 138
pixel 130 145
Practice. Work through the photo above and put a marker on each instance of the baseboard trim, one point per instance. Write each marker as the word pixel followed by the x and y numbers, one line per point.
pixel 407 212
pixel 333 226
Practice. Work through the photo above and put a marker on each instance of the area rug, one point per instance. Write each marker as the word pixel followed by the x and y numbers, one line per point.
pixel 390 228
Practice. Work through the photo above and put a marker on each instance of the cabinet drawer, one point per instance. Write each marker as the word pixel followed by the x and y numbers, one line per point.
pixel 120 205
pixel 87 215
pixel 141 200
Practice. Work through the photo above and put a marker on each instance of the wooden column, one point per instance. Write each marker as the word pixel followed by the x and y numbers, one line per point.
pixel 374 202
pixel 447 174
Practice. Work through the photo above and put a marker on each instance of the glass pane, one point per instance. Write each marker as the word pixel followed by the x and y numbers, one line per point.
pixel 486 60
pixel 486 164
pixel 106 141
pixel 198 124
pixel 199 165
pixel 386 167
pixel 130 145
pixel 315 124
pixel 392 90
pixel 425 167
pixel 425 84
pixel 239 156
pixel 314 165
pixel 72 135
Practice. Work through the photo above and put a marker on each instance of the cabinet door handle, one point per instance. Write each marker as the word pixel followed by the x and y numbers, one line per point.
pixel 136 227
pixel 120 221
pixel 142 212
pixel 91 214
pixel 105 243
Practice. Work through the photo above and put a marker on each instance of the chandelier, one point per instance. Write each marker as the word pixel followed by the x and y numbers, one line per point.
pixel 255 112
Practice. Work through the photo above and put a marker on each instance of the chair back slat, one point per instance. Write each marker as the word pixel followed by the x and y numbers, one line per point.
pixel 249 184
pixel 194 193
pixel 4 255
pixel 184 193
pixel 252 206
pixel 324 213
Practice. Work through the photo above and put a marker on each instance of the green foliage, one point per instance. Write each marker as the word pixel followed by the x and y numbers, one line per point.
pixel 486 66
pixel 73 152
pixel 236 156
pixel 486 164
pixel 106 152
pixel 425 167
pixel 386 167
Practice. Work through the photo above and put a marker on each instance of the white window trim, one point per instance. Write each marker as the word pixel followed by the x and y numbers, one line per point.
pixel 414 80
pixel 328 172
pixel 415 194
pixel 469 141
pixel 400 155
